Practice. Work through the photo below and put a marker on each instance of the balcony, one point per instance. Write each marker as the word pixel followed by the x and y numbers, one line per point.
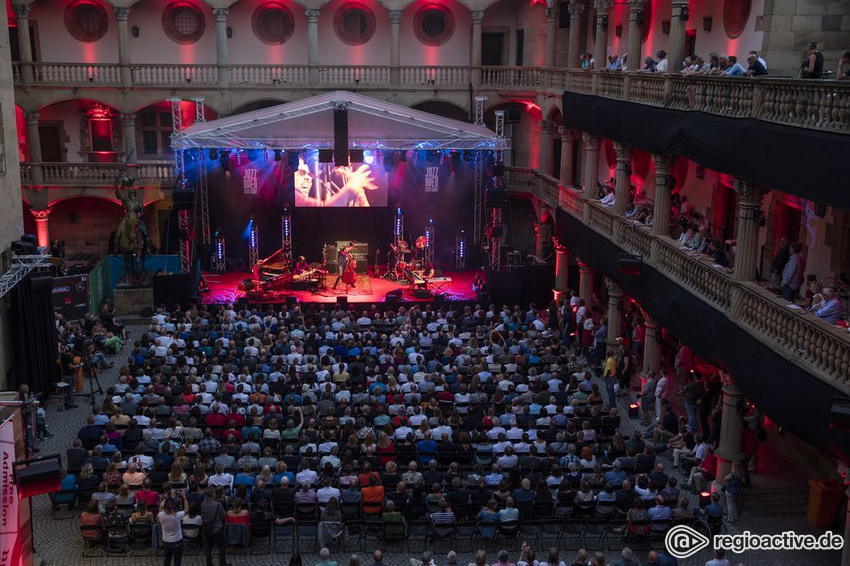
pixel 821 104
pixel 98 174
pixel 815 346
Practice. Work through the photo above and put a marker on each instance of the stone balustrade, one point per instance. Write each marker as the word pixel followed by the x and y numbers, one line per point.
pixel 99 174
pixel 821 104
pixel 820 348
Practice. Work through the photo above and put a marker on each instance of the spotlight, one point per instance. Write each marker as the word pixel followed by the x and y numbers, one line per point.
pixel 277 155
pixel 213 154
pixel 356 155
pixel 224 160
pixel 455 159
pixel 402 156
pixel 368 157
pixel 388 161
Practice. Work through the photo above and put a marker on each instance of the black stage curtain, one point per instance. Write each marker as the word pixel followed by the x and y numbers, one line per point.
pixel 36 349
pixel 531 284
pixel 799 161
pixel 766 377
pixel 173 289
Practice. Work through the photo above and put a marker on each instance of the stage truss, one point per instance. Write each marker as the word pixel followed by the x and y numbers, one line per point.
pixel 478 219
pixel 180 166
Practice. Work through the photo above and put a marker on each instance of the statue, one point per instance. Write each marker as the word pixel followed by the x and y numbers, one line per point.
pixel 131 239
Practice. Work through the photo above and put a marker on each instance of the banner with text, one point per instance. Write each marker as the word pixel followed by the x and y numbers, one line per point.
pixel 10 536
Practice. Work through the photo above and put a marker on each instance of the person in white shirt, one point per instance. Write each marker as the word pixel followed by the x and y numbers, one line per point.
pixel 661 67
pixel 660 394
pixel 719 558
pixel 172 528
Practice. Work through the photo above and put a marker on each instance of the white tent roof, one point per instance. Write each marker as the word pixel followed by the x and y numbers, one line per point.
pixel 309 124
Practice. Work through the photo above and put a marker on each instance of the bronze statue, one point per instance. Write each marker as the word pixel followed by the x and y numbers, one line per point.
pixel 131 239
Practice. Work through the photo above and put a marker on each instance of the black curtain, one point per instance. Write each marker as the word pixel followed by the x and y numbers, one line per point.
pixel 798 161
pixel 34 335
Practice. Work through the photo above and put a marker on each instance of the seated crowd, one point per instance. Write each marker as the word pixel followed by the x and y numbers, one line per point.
pixel 268 418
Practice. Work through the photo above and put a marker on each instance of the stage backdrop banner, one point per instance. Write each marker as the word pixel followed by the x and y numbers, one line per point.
pixel 323 184
pixel 10 536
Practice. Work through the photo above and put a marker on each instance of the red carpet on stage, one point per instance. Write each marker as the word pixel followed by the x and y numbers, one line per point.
pixel 224 288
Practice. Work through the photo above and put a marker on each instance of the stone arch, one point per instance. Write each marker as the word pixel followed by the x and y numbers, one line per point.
pixel 79 129
pixel 442 108
pixel 257 104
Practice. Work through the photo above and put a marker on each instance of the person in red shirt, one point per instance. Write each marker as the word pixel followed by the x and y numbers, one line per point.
pixel 148 495
pixel 363 478
pixel 373 497
pixel 704 472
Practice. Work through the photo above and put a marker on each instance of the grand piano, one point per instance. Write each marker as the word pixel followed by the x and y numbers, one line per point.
pixel 278 263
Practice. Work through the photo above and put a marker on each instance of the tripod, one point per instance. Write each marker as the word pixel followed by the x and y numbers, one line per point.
pixel 90 373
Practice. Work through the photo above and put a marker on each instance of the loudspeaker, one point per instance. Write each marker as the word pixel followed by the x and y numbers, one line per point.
pixel 342 302
pixel 36 478
pixel 422 294
pixel 496 198
pixel 355 155
pixel 183 200
pixel 498 169
pixel 393 296
pixel 246 285
pixel 341 136
pixel 41 284
pixel 326 156
pixel 630 264
pixel 839 414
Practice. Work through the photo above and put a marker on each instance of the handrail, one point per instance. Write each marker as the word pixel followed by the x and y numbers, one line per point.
pixel 822 104
pixel 821 348
pixel 99 174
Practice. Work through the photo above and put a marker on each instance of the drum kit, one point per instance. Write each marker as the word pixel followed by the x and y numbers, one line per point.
pixel 403 267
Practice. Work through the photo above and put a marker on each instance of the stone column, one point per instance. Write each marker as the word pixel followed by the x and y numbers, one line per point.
pixel 551 37
pixel 24 48
pixel 731 426
pixel 121 15
pixel 576 10
pixel 475 61
pixel 129 122
pixel 635 32
pixel 749 204
pixel 312 44
pixel 676 53
pixel 661 206
pixel 34 148
pixel 844 472
pixel 544 165
pixel 603 8
pixel 585 284
pixel 651 345
pixel 561 269
pixel 624 183
pixel 566 177
pixel 42 229
pixel 615 307
pixel 395 47
pixel 542 234
pixel 591 164
pixel 221 44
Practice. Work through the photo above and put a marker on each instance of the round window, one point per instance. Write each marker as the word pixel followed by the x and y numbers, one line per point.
pixel 86 21
pixel 434 24
pixel 183 23
pixel 354 23
pixel 273 23
pixel 735 16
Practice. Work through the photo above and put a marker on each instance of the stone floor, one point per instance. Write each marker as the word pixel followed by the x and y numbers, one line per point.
pixel 776 503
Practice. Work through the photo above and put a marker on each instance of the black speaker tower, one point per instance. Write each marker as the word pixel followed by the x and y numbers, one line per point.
pixel 341 136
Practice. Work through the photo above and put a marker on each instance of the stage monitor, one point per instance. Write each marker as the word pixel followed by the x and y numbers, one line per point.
pixel 322 184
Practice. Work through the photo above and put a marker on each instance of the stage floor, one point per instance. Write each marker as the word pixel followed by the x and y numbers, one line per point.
pixel 224 288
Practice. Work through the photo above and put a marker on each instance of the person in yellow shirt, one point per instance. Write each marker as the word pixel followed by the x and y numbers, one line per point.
pixel 609 376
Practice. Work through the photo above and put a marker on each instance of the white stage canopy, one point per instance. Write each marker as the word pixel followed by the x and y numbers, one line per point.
pixel 309 124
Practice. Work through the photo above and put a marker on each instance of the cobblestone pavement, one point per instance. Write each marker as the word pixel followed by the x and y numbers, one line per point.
pixel 775 504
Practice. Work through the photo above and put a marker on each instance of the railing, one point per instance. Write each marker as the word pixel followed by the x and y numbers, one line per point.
pixel 823 104
pixel 100 174
pixel 821 348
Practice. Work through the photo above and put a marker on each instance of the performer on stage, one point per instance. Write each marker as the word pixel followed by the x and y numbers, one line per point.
pixel 300 266
pixel 343 257
pixel 352 192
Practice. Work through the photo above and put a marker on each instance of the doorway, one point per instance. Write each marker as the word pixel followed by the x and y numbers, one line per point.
pixel 52 136
pixel 492 48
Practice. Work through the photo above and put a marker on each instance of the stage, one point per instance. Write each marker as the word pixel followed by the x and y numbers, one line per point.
pixel 224 289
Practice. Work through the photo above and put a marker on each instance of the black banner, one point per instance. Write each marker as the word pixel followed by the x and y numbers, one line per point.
pixel 71 296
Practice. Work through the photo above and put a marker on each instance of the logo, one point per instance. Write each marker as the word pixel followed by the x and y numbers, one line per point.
pixel 683 541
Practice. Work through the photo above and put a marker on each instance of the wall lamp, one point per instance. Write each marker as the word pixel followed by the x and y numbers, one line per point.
pixel 706 23
pixel 665 27
pixel 135 31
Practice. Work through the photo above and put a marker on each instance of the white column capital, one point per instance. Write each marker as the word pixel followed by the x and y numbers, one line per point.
pixel 221 14
pixel 41 214
pixel 21 10
pixel 558 246
pixel 129 118
pixel 590 140
pixel 477 17
pixel 395 16
pixel 565 133
pixel 749 194
pixel 32 117
pixel 614 290
pixel 576 9
pixel 312 15
pixel 624 152
pixel 636 5
pixel 663 164
pixel 545 126
pixel 603 7
pixel 121 13
pixel 551 14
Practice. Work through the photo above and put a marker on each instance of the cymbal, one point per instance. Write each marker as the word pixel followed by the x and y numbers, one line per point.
pixel 403 245
pixel 420 242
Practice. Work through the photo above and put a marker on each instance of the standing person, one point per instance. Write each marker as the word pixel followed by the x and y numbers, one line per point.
pixel 213 517
pixel 683 364
pixel 343 256
pixel 172 529
pixel 609 377
pixel 779 261
pixel 647 393
pixel 660 393
pixel 694 392
pixel 792 274
pixel 812 67
pixel 731 488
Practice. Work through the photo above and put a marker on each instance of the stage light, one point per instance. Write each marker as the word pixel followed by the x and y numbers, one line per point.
pixel 277 155
pixel 402 157
pixel 431 156
pixel 213 154
pixel 388 161
pixel 455 159
pixel 397 225
pixel 355 155
pixel 326 156
pixel 224 160
pixel 467 156
pixel 368 157
pixel 253 155
pixel 460 250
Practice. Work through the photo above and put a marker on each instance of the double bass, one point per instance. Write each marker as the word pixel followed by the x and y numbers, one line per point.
pixel 349 277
